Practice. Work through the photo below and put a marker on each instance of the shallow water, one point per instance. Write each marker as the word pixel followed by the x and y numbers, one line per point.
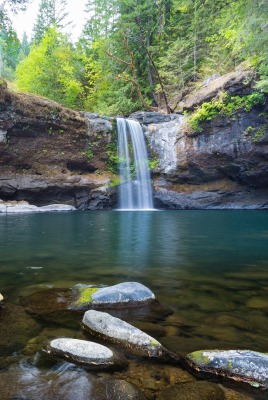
pixel 210 267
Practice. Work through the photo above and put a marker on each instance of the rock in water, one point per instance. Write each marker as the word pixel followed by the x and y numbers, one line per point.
pixel 116 389
pixel 241 365
pixel 193 391
pixel 115 330
pixel 88 354
pixel 1 297
pixel 124 294
pixel 16 328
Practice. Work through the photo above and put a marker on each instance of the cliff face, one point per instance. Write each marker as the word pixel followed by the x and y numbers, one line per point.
pixel 223 166
pixel 50 154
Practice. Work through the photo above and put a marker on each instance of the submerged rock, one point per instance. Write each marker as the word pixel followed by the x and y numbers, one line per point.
pixel 52 305
pixel 89 354
pixel 241 365
pixel 115 389
pixel 115 330
pixel 193 391
pixel 64 382
pixel 121 295
pixel 16 329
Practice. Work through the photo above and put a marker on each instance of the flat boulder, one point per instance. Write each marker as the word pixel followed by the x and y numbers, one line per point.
pixel 126 294
pixel 13 207
pixel 89 354
pixel 114 330
pixel 240 365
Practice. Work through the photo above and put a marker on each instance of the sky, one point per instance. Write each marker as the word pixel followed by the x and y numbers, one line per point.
pixel 24 21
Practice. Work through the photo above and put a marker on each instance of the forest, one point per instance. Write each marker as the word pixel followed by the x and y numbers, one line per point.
pixel 134 54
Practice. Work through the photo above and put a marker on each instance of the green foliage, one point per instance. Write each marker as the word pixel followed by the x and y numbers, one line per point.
pixel 89 153
pixel 113 159
pixel 153 163
pixel 51 14
pixel 226 105
pixel 49 70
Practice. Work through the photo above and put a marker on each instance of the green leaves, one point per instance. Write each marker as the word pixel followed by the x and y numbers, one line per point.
pixel 48 70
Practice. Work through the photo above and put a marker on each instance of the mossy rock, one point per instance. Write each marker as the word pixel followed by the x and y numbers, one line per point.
pixel 126 294
pixel 240 365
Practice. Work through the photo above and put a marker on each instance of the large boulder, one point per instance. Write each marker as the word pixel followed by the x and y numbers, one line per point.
pixel 240 365
pixel 114 330
pixel 89 354
pixel 126 294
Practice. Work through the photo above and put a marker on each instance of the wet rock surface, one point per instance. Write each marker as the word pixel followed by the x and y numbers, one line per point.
pixel 115 330
pixel 89 354
pixel 242 365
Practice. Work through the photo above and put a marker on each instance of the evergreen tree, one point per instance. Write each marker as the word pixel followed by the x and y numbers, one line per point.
pixel 51 13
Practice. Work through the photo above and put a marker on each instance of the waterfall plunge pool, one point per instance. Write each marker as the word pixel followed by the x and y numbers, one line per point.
pixel 209 267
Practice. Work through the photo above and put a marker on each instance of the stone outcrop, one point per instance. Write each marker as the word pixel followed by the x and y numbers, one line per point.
pixel 51 154
pixel 238 82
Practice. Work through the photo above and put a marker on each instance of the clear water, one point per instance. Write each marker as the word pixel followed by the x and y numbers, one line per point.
pixel 135 191
pixel 210 267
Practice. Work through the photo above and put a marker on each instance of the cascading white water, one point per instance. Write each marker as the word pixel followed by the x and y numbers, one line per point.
pixel 135 191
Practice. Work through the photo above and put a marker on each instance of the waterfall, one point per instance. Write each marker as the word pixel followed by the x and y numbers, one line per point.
pixel 135 191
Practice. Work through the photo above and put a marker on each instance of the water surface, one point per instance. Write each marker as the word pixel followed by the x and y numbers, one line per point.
pixel 209 267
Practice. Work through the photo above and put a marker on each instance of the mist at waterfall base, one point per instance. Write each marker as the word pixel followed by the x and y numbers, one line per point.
pixel 135 189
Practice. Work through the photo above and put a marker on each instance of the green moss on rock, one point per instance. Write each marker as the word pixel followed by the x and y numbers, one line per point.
pixel 199 358
pixel 85 296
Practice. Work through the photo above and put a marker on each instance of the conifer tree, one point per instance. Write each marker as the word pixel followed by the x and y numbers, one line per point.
pixel 51 13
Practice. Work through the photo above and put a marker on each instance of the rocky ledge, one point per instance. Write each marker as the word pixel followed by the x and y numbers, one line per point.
pixel 52 155
pixel 13 207
pixel 221 164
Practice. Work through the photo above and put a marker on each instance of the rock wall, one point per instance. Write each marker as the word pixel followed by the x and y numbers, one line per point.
pixel 223 166
pixel 50 154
